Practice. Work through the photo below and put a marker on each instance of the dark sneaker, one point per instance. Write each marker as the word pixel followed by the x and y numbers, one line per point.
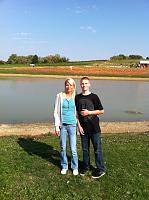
pixel 84 171
pixel 97 173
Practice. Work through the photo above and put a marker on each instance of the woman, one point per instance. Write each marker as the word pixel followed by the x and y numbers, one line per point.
pixel 65 122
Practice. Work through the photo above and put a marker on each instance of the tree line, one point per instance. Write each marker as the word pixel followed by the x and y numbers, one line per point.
pixel 34 59
pixel 130 57
pixel 50 59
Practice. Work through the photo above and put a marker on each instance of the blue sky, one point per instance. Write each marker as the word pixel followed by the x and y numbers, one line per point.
pixel 76 29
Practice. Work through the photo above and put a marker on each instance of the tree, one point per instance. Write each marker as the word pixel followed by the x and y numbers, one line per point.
pixel 119 57
pixel 135 57
pixel 2 62
pixel 34 59
pixel 12 59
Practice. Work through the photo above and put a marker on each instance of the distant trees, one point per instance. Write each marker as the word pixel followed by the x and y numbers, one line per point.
pixel 123 57
pixel 135 57
pixel 2 62
pixel 12 59
pixel 34 59
pixel 51 59
pixel 118 57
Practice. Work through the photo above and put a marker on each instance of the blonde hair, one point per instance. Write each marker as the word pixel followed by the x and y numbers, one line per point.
pixel 71 82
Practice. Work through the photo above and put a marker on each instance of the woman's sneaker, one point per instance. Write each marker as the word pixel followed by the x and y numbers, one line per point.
pixel 63 171
pixel 97 173
pixel 75 172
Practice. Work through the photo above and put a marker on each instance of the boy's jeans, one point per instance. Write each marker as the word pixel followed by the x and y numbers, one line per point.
pixel 71 130
pixel 96 141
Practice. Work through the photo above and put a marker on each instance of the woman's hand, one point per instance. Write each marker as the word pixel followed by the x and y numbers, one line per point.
pixel 57 133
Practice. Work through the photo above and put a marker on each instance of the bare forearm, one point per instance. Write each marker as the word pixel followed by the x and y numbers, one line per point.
pixel 86 112
pixel 96 112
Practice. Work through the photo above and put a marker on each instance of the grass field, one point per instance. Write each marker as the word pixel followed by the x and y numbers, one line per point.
pixel 75 63
pixel 30 170
pixel 79 63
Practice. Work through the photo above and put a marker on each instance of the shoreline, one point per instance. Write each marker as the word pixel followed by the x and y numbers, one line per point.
pixel 73 76
pixel 44 128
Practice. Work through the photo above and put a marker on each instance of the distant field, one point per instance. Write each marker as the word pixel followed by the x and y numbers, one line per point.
pixel 75 63
pixel 80 71
pixel 83 68
pixel 78 63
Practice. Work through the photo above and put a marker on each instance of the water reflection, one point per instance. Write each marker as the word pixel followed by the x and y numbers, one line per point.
pixel 32 99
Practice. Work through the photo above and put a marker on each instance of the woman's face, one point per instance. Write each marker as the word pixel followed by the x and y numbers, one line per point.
pixel 69 88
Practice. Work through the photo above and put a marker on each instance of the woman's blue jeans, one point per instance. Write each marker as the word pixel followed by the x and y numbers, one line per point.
pixel 71 131
pixel 96 141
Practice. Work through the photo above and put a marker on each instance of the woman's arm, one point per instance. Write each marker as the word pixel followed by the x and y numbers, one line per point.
pixel 57 115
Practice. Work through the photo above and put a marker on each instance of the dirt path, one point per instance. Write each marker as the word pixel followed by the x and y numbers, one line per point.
pixel 44 128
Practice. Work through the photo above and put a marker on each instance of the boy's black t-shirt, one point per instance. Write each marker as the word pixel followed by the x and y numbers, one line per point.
pixel 90 124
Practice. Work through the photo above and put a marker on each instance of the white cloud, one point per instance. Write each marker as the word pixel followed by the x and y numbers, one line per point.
pixel 36 42
pixel 79 10
pixel 21 36
pixel 82 10
pixel 76 10
pixel 26 38
pixel 88 28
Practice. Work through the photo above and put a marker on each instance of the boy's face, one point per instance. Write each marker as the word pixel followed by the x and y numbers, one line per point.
pixel 85 85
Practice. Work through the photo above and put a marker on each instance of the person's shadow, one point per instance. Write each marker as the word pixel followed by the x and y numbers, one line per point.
pixel 40 149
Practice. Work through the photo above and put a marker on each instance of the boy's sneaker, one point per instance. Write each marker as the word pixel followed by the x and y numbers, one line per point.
pixel 97 173
pixel 75 172
pixel 84 171
pixel 63 171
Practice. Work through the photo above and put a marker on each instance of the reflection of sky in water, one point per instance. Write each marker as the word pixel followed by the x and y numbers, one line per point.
pixel 32 99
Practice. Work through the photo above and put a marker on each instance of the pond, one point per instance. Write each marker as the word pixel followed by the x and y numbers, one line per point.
pixel 32 99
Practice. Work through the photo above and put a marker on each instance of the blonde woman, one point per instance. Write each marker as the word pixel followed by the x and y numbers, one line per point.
pixel 65 123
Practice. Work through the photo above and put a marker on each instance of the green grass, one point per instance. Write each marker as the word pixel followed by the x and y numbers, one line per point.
pixel 30 170
pixel 78 63
pixel 13 65
pixel 75 63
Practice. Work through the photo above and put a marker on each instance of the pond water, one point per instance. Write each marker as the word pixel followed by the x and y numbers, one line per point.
pixel 32 99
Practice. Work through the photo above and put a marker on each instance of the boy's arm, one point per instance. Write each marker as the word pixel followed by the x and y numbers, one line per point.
pixel 86 112
pixel 80 129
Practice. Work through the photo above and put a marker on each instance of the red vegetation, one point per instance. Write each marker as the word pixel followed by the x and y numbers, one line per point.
pixel 88 70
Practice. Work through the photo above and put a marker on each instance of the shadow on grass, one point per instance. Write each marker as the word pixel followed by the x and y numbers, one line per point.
pixel 47 152
pixel 43 150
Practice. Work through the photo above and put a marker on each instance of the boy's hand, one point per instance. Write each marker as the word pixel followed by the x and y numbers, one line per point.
pixel 85 112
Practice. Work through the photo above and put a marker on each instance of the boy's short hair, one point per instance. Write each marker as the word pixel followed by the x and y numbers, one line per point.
pixel 84 78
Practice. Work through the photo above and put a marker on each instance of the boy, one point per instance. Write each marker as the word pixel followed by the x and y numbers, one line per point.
pixel 88 108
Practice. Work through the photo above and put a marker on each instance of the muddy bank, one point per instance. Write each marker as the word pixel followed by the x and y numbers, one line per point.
pixel 74 76
pixel 45 128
